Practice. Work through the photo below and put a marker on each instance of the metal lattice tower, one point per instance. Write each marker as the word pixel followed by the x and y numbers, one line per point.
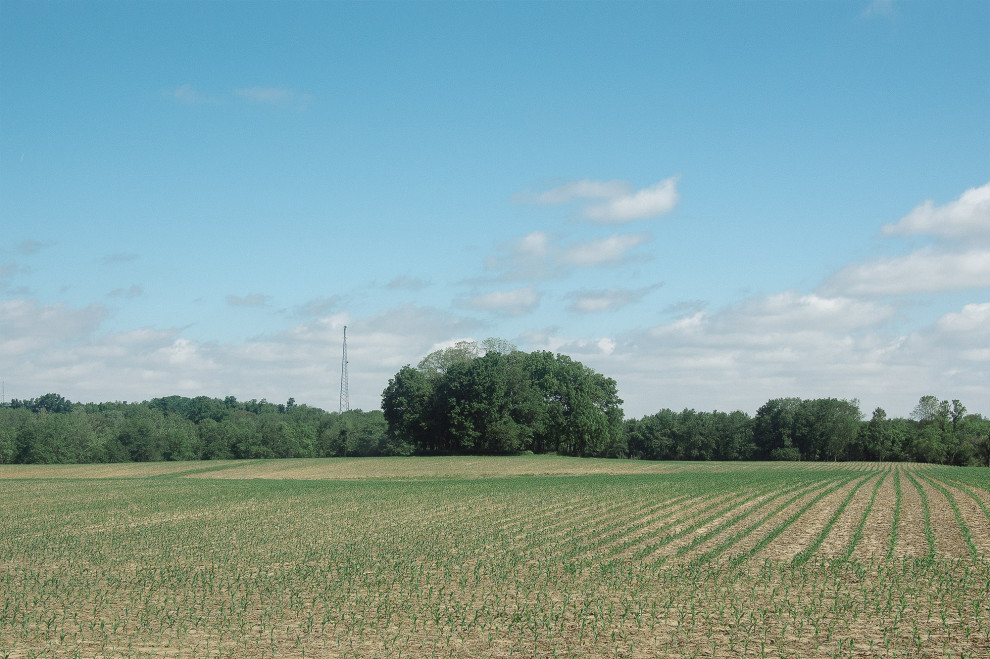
pixel 345 398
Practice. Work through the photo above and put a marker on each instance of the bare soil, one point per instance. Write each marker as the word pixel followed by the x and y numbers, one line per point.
pixel 876 532
pixel 804 531
pixel 911 539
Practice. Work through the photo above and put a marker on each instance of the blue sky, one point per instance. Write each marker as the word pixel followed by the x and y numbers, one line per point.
pixel 714 203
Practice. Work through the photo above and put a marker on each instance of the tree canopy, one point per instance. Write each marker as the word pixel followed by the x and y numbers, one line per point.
pixel 486 398
pixel 51 430
pixel 492 399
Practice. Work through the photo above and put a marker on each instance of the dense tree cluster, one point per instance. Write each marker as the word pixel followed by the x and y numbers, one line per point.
pixel 815 429
pixel 493 399
pixel 51 429
pixel 690 435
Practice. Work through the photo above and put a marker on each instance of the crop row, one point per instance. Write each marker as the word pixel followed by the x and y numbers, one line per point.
pixel 687 562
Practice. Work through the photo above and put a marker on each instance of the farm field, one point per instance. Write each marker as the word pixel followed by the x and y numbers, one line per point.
pixel 477 557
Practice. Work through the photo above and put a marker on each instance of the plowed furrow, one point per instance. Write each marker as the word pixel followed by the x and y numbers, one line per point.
pixel 834 543
pixel 652 537
pixel 910 541
pixel 646 527
pixel 872 536
pixel 663 545
pixel 722 532
pixel 758 542
pixel 798 526
pixel 594 537
pixel 953 537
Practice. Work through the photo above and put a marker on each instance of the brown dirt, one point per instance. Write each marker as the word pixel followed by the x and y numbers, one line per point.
pixel 843 532
pixel 766 524
pixel 876 532
pixel 973 515
pixel 547 529
pixel 911 534
pixel 711 516
pixel 803 532
pixel 949 541
pixel 647 526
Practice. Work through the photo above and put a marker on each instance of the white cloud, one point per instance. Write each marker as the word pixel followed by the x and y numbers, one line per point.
pixel 260 95
pixel 122 257
pixel 190 96
pixel 960 261
pixel 575 190
pixel 966 218
pixel 63 349
pixel 598 301
pixel 603 251
pixel 531 257
pixel 132 291
pixel 534 245
pixel 264 94
pixel 318 307
pixel 26 325
pixel 789 345
pixel 792 311
pixel 738 357
pixel 927 270
pixel 972 318
pixel 32 246
pixel 539 255
pixel 649 202
pixel 615 202
pixel 252 300
pixel 404 283
pixel 883 8
pixel 7 273
pixel 836 341
pixel 513 302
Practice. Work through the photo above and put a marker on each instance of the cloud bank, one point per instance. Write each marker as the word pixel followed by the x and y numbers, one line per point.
pixel 958 261
pixel 846 338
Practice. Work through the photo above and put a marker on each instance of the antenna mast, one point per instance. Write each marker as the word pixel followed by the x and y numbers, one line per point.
pixel 345 399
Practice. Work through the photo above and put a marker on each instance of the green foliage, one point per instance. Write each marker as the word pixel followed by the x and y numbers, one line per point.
pixel 690 435
pixel 796 429
pixel 49 403
pixel 785 454
pixel 880 438
pixel 51 430
pixel 487 399
pixel 495 400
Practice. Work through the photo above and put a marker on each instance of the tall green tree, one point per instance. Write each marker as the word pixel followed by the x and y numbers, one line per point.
pixel 773 429
pixel 410 410
pixel 881 441
pixel 466 400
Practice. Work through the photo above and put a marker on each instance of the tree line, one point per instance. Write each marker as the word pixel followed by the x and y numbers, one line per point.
pixel 938 431
pixel 487 398
pixel 52 430
pixel 491 398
